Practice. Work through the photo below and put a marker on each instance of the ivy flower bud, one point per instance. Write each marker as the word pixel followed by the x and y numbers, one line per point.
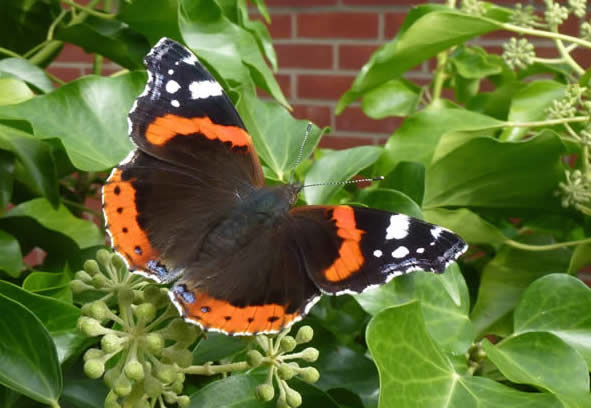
pixel 310 354
pixel 93 353
pixel 111 376
pixel 152 387
pixel 99 310
pixel 122 386
pixel 94 368
pixel 83 276
pixel 586 31
pixel 304 335
pixel 143 403
pixel 555 14
pixel 579 7
pixel 91 327
pixel 125 296
pixel 166 373
pixel 523 16
pixel 293 398
pixel 111 400
pixel 264 392
pixel 118 262
pixel 99 281
pixel 154 343
pixel 92 267
pixel 473 7
pixel 103 256
pixel 145 312
pixel 110 343
pixel 285 372
pixel 134 370
pixel 181 356
pixel 254 358
pixel 287 344
pixel 518 53
pixel 183 401
pixel 78 286
pixel 309 375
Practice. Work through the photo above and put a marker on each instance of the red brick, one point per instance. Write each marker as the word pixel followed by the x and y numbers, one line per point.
pixel 582 56
pixel 300 3
pixel 35 257
pixel 66 74
pixel 337 25
pixel 353 119
pixel 280 26
pixel 380 2
pixel 319 115
pixel 354 56
pixel 343 142
pixel 284 81
pixel 392 21
pixel 323 86
pixel 73 53
pixel 304 56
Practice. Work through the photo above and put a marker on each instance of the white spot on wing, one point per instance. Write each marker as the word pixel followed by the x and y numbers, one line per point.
pixel 400 252
pixel 170 71
pixel 191 60
pixel 175 103
pixel 398 227
pixel 436 231
pixel 172 86
pixel 420 250
pixel 377 253
pixel 205 89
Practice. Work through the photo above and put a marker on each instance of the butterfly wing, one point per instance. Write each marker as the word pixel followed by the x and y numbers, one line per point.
pixel 194 160
pixel 349 249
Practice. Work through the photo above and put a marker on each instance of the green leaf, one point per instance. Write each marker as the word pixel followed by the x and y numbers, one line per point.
pixel 153 19
pixel 109 38
pixel 94 129
pixel 56 316
pixel 408 178
pixel 27 71
pixel 35 165
pixel 542 360
pixel 390 200
pixel 502 175
pixel 51 284
pixel 14 91
pixel 6 178
pixel 236 391
pixel 392 98
pixel 581 258
pixel 84 233
pixel 217 346
pixel 529 104
pixel 505 278
pixel 259 30
pixel 11 258
pixel 426 32
pixel 469 225
pixel 277 136
pixel 558 304
pixel 29 359
pixel 475 63
pixel 232 50
pixel 415 373
pixel 80 392
pixel 337 166
pixel 417 138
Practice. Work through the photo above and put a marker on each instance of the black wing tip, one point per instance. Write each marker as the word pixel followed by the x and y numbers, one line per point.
pixel 163 48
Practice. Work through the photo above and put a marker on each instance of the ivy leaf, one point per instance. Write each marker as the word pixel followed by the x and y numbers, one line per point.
pixel 543 360
pixel 408 178
pixel 392 98
pixel 14 91
pixel 84 233
pixel 6 178
pixel 469 225
pixel 407 359
pixel 236 391
pixel 229 48
pixel 153 19
pixel 507 276
pixel 23 69
pixel 95 137
pixel 35 163
pixel 29 360
pixel 555 303
pixel 337 166
pixel 389 200
pixel 11 258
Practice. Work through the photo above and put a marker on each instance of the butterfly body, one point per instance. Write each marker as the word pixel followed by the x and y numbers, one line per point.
pixel 189 206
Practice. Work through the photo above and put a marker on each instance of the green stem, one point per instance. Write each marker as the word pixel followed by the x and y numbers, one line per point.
pixel 97 64
pixel 8 52
pixel 542 123
pixel 208 369
pixel 81 208
pixel 88 10
pixel 566 55
pixel 548 247
pixel 46 52
pixel 549 61
pixel 440 74
pixel 538 33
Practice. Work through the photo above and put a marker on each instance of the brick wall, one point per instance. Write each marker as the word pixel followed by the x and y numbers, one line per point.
pixel 321 45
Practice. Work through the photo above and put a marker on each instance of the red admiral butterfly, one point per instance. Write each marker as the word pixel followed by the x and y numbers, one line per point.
pixel 189 205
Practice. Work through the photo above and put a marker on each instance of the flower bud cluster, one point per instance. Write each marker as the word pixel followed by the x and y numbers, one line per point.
pixel 576 190
pixel 518 53
pixel 143 344
pixel 523 16
pixel 282 366
pixel 473 7
pixel 555 14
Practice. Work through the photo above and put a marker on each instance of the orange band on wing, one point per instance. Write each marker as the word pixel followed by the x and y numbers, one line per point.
pixel 164 128
pixel 127 236
pixel 211 313
pixel 350 258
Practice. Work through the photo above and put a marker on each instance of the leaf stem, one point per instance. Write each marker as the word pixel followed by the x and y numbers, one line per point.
pixel 549 247
pixel 88 10
pixel 8 52
pixel 566 55
pixel 541 123
pixel 440 74
pixel 209 369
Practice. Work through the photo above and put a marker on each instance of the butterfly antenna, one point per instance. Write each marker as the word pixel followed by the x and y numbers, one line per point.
pixel 332 183
pixel 301 152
